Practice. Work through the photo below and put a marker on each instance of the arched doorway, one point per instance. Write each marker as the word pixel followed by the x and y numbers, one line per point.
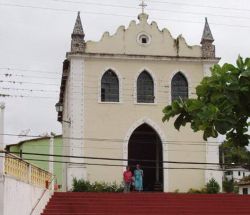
pixel 145 144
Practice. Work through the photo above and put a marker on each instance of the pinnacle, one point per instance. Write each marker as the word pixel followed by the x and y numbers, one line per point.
pixel 78 29
pixel 207 34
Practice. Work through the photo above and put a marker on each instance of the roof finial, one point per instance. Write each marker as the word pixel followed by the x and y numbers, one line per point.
pixel 143 5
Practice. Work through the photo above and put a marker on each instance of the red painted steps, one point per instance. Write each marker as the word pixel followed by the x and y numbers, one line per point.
pixel 147 204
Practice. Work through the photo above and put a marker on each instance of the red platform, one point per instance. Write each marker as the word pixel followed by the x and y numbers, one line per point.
pixel 147 204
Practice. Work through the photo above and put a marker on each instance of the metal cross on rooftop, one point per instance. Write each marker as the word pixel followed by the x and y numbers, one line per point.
pixel 143 5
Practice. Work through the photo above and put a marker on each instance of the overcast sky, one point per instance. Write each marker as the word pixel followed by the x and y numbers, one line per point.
pixel 35 35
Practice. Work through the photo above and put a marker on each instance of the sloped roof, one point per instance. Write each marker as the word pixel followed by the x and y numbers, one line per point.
pixel 30 140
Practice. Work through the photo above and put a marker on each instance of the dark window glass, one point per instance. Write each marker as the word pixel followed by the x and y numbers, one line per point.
pixel 145 88
pixel 110 87
pixel 245 191
pixel 228 173
pixel 179 87
pixel 144 40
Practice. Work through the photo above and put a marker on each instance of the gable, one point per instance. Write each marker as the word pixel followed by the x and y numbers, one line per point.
pixel 129 41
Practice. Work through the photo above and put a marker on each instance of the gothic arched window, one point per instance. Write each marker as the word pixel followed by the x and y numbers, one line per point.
pixel 110 87
pixel 179 87
pixel 145 88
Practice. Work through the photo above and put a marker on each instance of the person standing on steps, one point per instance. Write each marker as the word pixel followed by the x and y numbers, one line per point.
pixel 138 175
pixel 127 178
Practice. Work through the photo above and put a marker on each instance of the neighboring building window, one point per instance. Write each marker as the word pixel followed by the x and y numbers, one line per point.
pixel 243 174
pixel 228 173
pixel 179 87
pixel 145 88
pixel 245 191
pixel 238 173
pixel 110 87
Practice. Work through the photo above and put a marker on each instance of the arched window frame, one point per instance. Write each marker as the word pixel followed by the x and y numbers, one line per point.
pixel 100 86
pixel 170 83
pixel 154 83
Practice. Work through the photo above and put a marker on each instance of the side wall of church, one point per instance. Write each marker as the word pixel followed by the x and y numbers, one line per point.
pixel 107 124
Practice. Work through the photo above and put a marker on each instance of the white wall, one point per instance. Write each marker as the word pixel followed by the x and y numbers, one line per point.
pixel 241 189
pixel 1 194
pixel 2 145
pixel 235 174
pixel 243 173
pixel 212 156
pixel 20 197
pixel 75 113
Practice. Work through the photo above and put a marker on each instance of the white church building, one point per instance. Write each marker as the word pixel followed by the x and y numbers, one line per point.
pixel 112 95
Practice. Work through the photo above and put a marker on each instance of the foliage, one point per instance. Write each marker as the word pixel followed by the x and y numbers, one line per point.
pixel 197 191
pixel 246 179
pixel 212 186
pixel 236 189
pixel 222 105
pixel 80 185
pixel 85 186
pixel 228 185
pixel 177 191
pixel 234 153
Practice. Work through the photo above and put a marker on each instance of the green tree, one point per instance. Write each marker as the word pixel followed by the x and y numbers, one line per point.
pixel 228 186
pixel 222 105
pixel 234 154
pixel 212 187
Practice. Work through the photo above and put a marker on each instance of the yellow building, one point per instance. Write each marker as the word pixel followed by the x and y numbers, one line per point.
pixel 112 95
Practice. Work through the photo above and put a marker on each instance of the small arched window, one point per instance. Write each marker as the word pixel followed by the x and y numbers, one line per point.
pixel 145 88
pixel 179 87
pixel 110 87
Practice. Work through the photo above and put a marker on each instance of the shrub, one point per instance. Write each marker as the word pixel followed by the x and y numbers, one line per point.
pixel 247 178
pixel 81 185
pixel 177 191
pixel 228 186
pixel 212 186
pixel 236 189
pixel 85 186
pixel 197 191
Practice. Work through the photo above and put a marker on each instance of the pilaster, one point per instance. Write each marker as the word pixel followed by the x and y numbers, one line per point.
pixel 2 146
pixel 2 155
pixel 206 69
pixel 212 156
pixel 51 158
pixel 76 167
pixel 212 146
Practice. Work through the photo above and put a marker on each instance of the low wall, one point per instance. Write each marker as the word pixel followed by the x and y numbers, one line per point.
pixel 21 197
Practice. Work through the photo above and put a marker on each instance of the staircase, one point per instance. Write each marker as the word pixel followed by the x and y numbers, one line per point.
pixel 147 204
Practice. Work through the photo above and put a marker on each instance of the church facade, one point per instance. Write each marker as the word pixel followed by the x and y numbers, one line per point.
pixel 112 96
